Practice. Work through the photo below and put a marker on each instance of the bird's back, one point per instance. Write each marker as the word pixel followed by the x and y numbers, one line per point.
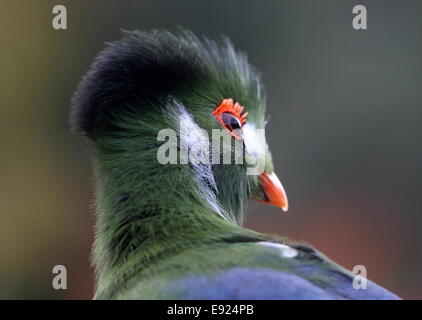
pixel 248 271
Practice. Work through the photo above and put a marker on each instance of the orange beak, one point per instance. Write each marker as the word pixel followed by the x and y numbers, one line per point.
pixel 273 191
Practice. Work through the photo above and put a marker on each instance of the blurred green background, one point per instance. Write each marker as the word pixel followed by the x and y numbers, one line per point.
pixel 345 126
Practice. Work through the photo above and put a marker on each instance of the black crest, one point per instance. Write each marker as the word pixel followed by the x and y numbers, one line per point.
pixel 144 67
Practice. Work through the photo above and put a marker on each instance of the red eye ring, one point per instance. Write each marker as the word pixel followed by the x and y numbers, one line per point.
pixel 236 110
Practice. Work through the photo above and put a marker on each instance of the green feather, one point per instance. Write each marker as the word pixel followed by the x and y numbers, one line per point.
pixel 156 223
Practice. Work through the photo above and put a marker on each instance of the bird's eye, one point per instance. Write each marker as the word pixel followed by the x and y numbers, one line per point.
pixel 231 116
pixel 230 121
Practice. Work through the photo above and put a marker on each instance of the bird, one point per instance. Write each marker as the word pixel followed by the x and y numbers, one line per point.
pixel 170 226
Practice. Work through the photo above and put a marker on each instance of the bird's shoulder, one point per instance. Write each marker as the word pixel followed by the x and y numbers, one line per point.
pixel 252 270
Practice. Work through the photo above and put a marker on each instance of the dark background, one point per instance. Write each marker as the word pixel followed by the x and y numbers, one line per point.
pixel 345 127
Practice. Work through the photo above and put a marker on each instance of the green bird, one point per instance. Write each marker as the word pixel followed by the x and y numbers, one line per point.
pixel 169 206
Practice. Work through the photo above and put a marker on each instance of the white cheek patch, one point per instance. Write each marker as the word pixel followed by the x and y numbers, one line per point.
pixel 285 251
pixel 254 140
pixel 255 149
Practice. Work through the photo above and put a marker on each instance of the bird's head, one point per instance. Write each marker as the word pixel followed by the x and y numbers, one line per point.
pixel 179 117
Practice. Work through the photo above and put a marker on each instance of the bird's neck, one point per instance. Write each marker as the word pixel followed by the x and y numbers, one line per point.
pixel 145 209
